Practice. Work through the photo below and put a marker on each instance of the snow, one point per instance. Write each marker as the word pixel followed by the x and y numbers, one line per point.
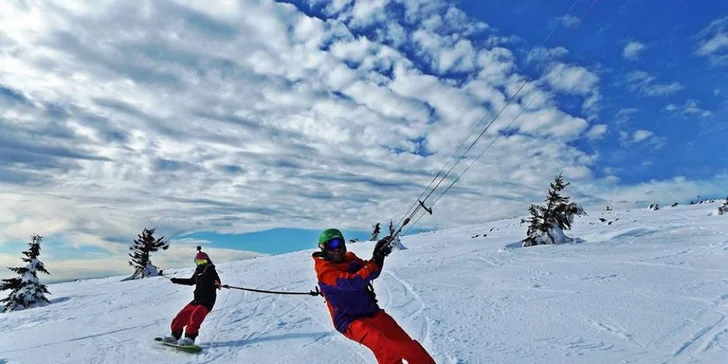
pixel 149 271
pixel 642 286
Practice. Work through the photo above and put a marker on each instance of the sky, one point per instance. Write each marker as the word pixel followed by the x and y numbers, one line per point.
pixel 250 126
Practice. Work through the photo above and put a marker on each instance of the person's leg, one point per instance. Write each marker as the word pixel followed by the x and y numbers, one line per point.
pixel 195 321
pixel 179 321
pixel 363 332
pixel 408 349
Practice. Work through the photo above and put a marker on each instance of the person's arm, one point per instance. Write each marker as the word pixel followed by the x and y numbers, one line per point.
pixel 330 276
pixel 186 281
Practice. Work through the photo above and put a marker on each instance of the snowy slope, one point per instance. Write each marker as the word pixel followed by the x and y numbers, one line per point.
pixel 652 287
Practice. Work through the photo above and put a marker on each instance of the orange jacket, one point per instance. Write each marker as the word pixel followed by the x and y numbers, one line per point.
pixel 346 287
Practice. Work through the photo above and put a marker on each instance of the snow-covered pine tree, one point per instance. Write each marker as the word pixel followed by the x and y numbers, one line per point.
pixel 723 210
pixel 143 247
pixel 396 243
pixel 547 224
pixel 26 290
pixel 375 233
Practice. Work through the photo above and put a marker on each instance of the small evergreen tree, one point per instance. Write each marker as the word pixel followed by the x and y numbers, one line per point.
pixel 375 233
pixel 396 243
pixel 143 247
pixel 547 224
pixel 26 290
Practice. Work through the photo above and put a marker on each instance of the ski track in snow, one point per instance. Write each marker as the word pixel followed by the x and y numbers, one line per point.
pixel 412 298
pixel 707 337
pixel 651 287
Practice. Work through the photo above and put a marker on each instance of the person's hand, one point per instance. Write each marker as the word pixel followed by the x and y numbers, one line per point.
pixel 383 247
pixel 174 280
pixel 218 285
pixel 381 250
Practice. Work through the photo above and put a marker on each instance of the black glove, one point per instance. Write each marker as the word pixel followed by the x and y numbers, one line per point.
pixel 174 280
pixel 381 250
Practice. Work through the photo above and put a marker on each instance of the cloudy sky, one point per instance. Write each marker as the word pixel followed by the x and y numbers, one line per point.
pixel 205 121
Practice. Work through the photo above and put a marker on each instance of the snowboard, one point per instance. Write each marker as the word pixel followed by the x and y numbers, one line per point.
pixel 188 348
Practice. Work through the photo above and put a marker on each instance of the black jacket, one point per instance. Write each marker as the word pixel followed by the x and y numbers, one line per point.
pixel 204 280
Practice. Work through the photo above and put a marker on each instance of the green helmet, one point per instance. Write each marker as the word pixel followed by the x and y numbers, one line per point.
pixel 327 235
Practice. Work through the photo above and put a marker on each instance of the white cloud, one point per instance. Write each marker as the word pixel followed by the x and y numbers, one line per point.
pixel 576 80
pixel 495 64
pixel 597 132
pixel 713 42
pixel 458 58
pixel 577 173
pixel 552 122
pixel 441 16
pixel 394 33
pixel 383 100
pixel 335 6
pixel 689 109
pixel 641 135
pixel 632 50
pixel 367 12
pixel 567 21
pixel 354 51
pixel 573 79
pixel 647 85
pixel 447 53
pixel 542 54
pixel 624 115
pixel 676 189
pixel 254 116
pixel 713 45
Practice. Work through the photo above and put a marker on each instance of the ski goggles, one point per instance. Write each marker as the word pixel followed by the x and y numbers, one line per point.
pixel 334 244
pixel 200 261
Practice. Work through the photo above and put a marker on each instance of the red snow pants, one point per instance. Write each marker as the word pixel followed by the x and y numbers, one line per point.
pixel 386 339
pixel 191 316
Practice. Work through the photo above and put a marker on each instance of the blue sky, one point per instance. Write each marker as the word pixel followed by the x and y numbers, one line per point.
pixel 252 125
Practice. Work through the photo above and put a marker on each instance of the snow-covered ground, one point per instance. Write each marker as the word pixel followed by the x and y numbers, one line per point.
pixel 651 287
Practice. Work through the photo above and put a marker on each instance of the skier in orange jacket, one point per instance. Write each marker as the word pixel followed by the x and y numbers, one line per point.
pixel 345 281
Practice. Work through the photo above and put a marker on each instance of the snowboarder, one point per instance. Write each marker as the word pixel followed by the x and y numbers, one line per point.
pixel 206 280
pixel 345 281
